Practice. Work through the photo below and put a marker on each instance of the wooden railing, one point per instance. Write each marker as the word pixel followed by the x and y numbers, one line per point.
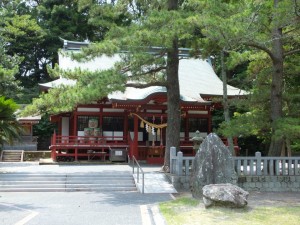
pixel 69 148
pixel 244 166
pixel 59 140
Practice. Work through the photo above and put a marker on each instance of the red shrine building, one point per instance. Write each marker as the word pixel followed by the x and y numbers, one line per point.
pixel 133 123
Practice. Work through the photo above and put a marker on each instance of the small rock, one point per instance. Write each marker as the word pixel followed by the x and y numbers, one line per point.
pixel 227 195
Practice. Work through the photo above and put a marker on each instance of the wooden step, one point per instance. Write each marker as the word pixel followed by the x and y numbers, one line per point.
pixel 12 156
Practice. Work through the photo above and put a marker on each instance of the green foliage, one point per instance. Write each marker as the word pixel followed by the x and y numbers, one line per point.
pixel 157 28
pixel 9 127
pixel 243 29
pixel 8 68
pixel 249 31
pixel 32 30
pixel 44 128
pixel 22 36
pixel 7 108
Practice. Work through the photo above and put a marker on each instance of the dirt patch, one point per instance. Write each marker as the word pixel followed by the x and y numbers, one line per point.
pixel 274 199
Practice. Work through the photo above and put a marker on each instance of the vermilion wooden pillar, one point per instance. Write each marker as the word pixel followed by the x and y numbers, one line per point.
pixel 135 139
pixel 187 128
pixel 53 148
pixel 76 154
pixel 209 121
pixel 125 130
pixel 75 123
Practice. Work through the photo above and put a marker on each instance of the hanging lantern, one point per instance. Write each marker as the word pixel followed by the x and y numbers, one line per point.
pixel 153 131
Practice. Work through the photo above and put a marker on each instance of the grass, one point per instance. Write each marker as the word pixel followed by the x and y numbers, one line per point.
pixel 189 211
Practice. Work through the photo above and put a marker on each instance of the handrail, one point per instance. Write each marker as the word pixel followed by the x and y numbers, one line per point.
pixel 138 173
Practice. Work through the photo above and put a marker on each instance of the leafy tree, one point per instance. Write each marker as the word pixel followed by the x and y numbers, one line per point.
pixel 270 29
pixel 32 30
pixel 22 36
pixel 9 87
pixel 8 68
pixel 10 129
pixel 61 19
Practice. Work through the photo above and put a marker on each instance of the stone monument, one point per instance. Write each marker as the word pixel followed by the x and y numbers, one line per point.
pixel 213 164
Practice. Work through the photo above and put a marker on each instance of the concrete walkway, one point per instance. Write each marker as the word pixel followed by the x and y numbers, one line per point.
pixel 154 180
pixel 76 208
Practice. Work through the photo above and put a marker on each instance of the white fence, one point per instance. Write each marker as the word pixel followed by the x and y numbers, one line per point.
pixel 271 166
pixel 180 165
pixel 244 166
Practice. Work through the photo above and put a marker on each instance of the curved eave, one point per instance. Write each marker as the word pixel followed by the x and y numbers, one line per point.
pixel 161 98
pixel 209 96
pixel 29 120
pixel 56 83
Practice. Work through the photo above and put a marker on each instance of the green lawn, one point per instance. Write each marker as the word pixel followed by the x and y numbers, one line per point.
pixel 187 211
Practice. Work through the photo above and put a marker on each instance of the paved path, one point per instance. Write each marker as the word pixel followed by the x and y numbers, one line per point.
pixel 79 208
pixel 72 208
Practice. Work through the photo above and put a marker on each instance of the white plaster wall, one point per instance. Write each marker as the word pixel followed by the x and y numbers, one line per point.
pixel 65 125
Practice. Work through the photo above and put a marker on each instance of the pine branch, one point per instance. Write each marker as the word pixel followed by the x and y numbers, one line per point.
pixel 292 52
pixel 260 47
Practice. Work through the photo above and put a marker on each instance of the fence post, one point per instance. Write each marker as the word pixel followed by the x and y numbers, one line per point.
pixel 179 163
pixel 172 156
pixel 258 163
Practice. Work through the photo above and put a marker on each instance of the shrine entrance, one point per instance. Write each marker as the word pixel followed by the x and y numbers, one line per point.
pixel 151 132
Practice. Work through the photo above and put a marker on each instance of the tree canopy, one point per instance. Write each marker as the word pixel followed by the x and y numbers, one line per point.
pixel 260 40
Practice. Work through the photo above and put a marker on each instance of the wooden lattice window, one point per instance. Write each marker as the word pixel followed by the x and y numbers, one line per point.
pixel 113 123
pixel 200 124
pixel 83 122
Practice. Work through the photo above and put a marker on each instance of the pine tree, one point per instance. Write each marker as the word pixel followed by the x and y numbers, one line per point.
pixel 270 29
pixel 155 23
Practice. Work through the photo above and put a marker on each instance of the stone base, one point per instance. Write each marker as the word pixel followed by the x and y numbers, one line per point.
pixel 270 183
pixel 180 183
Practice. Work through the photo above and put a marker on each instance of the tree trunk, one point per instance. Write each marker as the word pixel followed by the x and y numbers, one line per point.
pixel 276 89
pixel 225 101
pixel 173 97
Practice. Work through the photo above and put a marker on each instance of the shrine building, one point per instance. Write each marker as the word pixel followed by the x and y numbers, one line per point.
pixel 133 123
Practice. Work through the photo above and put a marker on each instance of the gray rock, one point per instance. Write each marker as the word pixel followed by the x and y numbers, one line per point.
pixel 227 195
pixel 213 164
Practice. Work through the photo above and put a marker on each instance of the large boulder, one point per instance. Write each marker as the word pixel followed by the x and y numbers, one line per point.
pixel 227 195
pixel 213 164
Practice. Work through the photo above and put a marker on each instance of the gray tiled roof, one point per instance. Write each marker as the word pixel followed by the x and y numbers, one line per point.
pixel 196 77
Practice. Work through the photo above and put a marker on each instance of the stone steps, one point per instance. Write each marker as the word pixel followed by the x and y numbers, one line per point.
pixel 102 182
pixel 12 155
